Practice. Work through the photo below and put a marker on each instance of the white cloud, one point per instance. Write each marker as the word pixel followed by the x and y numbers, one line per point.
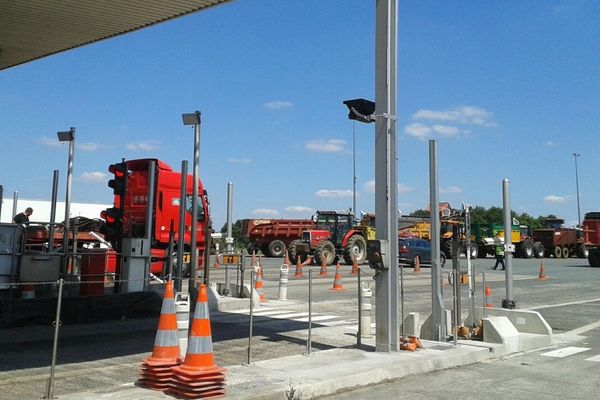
pixel 266 212
pixel 89 146
pixel 445 130
pixel 143 146
pixel 549 143
pixel 299 209
pixel 278 105
pixel 326 146
pixel 468 115
pixel 240 161
pixel 369 187
pixel 418 130
pixel 46 141
pixel 402 188
pixel 332 193
pixel 451 190
pixel 93 177
pixel 553 199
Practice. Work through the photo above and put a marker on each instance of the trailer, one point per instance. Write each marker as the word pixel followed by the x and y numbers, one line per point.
pixel 559 241
pixel 273 236
pixel 591 235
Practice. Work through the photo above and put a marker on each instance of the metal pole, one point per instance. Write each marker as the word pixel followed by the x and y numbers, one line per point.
pixel 229 238
pixel 1 199
pixel 181 231
pixel 576 156
pixel 249 352
pixel 15 201
pixel 437 300
pixel 386 182
pixel 509 302
pixel 57 323
pixel 470 267
pixel 309 340
pixel 456 270
pixel 354 168
pixel 483 294
pixel 196 174
pixel 53 210
pixel 68 193
pixel 359 333
pixel 149 219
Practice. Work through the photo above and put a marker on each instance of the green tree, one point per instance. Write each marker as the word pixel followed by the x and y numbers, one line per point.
pixel 240 241
pixel 420 213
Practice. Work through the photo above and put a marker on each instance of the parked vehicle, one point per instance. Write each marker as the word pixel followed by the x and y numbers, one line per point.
pixel 591 235
pixel 272 236
pixel 485 238
pixel 412 249
pixel 559 241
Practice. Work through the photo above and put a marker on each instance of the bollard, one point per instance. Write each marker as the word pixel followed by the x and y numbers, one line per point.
pixel 283 282
pixel 365 310
pixel 182 310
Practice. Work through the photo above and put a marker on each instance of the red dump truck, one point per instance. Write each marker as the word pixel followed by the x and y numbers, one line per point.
pixel 272 236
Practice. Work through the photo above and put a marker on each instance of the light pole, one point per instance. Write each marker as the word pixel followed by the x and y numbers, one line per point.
pixel 68 136
pixel 194 119
pixel 354 168
pixel 576 156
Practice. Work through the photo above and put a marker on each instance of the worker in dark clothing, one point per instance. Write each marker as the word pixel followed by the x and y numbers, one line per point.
pixel 23 218
pixel 499 255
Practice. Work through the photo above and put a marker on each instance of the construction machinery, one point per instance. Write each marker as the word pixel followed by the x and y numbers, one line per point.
pixel 334 236
pixel 485 238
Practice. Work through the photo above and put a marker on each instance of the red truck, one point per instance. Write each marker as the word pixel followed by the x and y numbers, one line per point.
pixel 127 217
pixel 591 234
pixel 559 241
pixel 272 236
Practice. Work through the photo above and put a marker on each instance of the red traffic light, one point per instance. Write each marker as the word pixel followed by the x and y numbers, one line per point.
pixel 119 170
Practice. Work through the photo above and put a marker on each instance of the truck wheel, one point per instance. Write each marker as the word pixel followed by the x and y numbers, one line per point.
pixel 525 249
pixel 325 252
pixel 566 252
pixel 474 251
pixel 582 251
pixel 294 253
pixel 251 248
pixel 538 250
pixel 594 258
pixel 558 252
pixel 357 246
pixel 276 248
pixel 446 248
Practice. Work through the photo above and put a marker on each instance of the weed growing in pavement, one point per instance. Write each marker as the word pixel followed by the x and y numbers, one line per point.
pixel 293 393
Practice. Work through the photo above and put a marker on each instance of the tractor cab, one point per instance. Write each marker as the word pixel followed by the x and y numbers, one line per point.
pixel 335 223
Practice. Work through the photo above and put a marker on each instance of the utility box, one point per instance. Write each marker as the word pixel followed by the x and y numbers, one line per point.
pixel 97 271
pixel 136 264
pixel 42 267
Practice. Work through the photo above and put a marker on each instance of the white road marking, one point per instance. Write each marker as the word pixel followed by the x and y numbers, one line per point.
pixel 317 318
pixel 336 323
pixel 584 328
pixel 563 304
pixel 289 316
pixel 595 358
pixel 566 351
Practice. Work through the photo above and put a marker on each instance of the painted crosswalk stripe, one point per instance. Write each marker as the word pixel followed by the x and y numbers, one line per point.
pixel 317 318
pixel 337 323
pixel 595 358
pixel 567 351
pixel 290 315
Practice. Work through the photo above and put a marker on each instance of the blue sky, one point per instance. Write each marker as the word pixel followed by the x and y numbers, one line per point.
pixel 510 90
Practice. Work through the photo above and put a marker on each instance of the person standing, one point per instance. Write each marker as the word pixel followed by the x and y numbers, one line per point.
pixel 23 218
pixel 499 255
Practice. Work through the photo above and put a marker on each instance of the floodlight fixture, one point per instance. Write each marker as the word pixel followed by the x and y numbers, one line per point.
pixel 66 136
pixel 191 118
pixel 361 110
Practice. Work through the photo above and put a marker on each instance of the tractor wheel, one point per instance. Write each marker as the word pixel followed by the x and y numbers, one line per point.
pixel 594 258
pixel 276 248
pixel 264 248
pixel 294 252
pixel 538 250
pixel 446 248
pixel 525 249
pixel 582 251
pixel 566 253
pixel 558 252
pixel 251 248
pixel 357 246
pixel 325 252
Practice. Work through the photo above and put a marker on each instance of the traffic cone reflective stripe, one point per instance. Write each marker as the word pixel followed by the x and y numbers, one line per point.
pixel 198 377
pixel 28 292
pixel 258 286
pixel 337 280
pixel 156 370
pixel 298 273
pixel 354 266
pixel 542 276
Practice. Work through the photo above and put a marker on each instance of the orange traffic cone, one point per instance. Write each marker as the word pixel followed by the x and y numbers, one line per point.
pixel 416 341
pixel 156 370
pixel 286 260
pixel 488 297
pixel 199 377
pixel 216 264
pixel 298 273
pixel 417 263
pixel 323 271
pixel 258 286
pixel 337 280
pixel 542 276
pixel 354 267
pixel 260 267
pixel 408 346
pixel 28 292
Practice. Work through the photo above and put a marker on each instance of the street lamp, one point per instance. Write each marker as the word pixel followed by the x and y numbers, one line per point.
pixel 194 119
pixel 576 156
pixel 68 136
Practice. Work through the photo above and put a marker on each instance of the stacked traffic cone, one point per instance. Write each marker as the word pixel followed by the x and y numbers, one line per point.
pixel 28 291
pixel 286 260
pixel 411 344
pixel 298 273
pixel 199 377
pixel 337 280
pixel 417 263
pixel 354 267
pixel 323 271
pixel 542 276
pixel 258 286
pixel 156 370
pixel 488 297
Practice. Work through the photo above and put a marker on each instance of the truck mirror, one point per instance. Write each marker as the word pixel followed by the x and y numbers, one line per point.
pixel 376 251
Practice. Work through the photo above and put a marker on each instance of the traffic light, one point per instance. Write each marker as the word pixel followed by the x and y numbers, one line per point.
pixel 118 183
pixel 112 226
pixel 360 110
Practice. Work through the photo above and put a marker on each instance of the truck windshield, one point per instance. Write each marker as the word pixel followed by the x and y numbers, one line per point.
pixel 188 207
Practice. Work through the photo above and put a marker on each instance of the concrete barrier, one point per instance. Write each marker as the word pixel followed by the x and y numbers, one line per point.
pixel 525 321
